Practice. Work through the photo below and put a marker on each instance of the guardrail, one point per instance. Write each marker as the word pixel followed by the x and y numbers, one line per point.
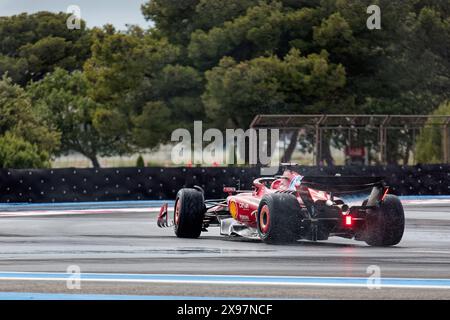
pixel 126 184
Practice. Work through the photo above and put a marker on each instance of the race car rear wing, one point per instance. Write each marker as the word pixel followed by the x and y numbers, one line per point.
pixel 342 184
pixel 349 184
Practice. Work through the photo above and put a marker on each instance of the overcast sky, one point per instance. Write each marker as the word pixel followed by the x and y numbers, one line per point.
pixel 94 12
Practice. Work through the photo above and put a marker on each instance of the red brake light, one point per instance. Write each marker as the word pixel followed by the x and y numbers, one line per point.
pixel 348 221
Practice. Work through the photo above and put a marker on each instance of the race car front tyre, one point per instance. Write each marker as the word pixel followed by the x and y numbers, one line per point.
pixel 278 218
pixel 385 226
pixel 189 212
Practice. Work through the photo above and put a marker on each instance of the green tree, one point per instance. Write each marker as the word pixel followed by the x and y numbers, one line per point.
pixel 254 34
pixel 33 44
pixel 62 99
pixel 211 13
pixel 32 140
pixel 173 19
pixel 16 153
pixel 239 91
pixel 137 75
pixel 140 162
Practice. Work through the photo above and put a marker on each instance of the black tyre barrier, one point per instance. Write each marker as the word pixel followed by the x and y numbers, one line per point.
pixel 122 184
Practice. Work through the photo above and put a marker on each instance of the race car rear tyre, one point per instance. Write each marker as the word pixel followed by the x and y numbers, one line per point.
pixel 278 218
pixel 189 212
pixel 385 226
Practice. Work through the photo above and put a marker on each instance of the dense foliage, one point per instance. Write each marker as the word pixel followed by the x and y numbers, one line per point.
pixel 106 92
pixel 26 139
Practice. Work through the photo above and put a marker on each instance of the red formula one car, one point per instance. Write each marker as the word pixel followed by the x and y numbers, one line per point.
pixel 286 208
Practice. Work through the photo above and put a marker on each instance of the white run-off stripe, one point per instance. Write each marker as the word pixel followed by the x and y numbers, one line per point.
pixel 74 212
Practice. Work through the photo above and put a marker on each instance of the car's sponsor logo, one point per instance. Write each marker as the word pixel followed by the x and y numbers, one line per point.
pixel 244 205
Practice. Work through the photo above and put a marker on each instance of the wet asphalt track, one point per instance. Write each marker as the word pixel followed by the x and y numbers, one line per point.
pixel 130 243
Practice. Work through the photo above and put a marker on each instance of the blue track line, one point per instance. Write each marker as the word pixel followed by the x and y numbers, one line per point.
pixel 230 279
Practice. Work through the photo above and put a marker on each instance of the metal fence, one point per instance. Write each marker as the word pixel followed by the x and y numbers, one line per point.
pixel 382 133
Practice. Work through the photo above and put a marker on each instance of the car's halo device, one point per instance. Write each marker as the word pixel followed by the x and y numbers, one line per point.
pixel 291 207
